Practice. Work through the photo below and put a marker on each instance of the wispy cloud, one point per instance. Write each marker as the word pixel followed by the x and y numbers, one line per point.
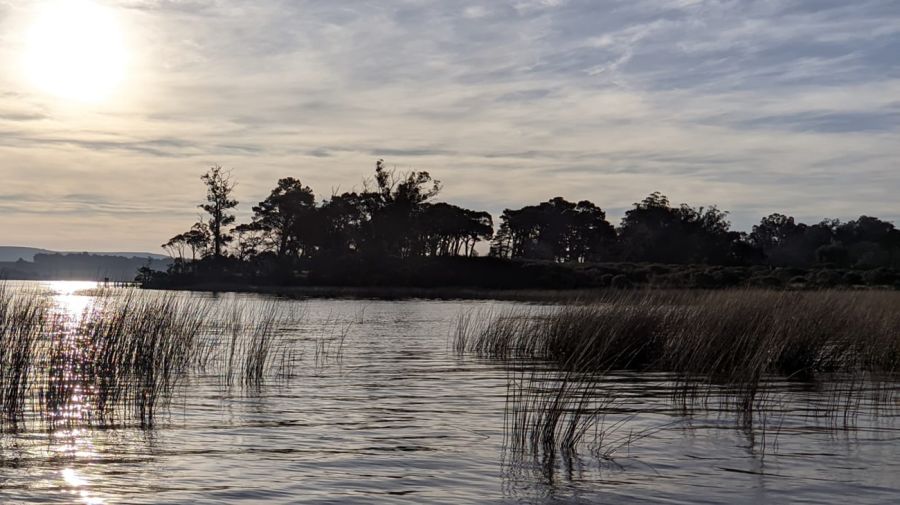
pixel 756 106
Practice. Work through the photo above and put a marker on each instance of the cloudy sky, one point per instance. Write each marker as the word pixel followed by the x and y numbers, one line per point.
pixel 757 106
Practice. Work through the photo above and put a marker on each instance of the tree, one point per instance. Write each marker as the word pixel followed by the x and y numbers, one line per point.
pixel 654 231
pixel 284 216
pixel 398 200
pixel 197 239
pixel 175 247
pixel 557 229
pixel 774 231
pixel 249 242
pixel 784 242
pixel 592 237
pixel 870 242
pixel 219 203
pixel 344 220
pixel 447 230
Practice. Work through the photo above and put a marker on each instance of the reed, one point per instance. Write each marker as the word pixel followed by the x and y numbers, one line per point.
pixel 254 340
pixel 128 354
pixel 722 335
pixel 135 348
pixel 24 318
pixel 730 341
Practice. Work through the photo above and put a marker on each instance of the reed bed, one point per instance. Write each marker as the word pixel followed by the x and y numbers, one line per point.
pixel 723 341
pixel 562 407
pixel 24 319
pixel 725 336
pixel 127 351
pixel 256 345
pixel 126 356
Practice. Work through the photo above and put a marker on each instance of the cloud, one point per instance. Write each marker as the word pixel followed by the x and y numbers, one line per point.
pixel 756 106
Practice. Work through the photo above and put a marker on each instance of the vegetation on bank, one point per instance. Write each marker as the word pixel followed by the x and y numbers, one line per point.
pixel 393 233
pixel 497 278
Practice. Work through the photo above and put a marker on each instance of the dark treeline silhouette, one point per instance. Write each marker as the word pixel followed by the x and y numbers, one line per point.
pixel 656 232
pixel 393 217
pixel 392 232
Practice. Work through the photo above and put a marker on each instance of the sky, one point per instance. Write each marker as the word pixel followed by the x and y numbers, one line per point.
pixel 109 117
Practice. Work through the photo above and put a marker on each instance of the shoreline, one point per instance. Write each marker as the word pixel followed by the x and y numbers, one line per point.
pixel 398 293
pixel 461 293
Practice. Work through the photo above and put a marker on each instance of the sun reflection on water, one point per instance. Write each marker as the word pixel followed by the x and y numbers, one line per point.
pixel 69 440
pixel 78 484
pixel 72 444
pixel 72 298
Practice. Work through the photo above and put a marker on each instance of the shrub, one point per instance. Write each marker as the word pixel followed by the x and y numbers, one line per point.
pixel 851 278
pixel 768 281
pixel 826 278
pixel 621 282
pixel 703 280
pixel 879 277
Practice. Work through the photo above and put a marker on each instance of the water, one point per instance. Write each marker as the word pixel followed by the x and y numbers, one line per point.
pixel 398 417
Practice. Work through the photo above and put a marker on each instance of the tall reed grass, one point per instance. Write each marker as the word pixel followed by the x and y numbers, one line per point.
pixel 24 318
pixel 127 355
pixel 727 340
pixel 727 336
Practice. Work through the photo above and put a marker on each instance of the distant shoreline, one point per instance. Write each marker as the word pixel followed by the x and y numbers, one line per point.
pixel 449 293
pixel 397 292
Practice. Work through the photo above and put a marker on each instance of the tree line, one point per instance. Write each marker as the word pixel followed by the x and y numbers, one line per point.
pixel 395 215
pixel 655 231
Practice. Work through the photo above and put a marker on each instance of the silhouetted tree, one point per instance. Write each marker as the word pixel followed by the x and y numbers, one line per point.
pixel 285 216
pixel 399 201
pixel 392 217
pixel 448 230
pixel 197 240
pixel 344 221
pixel 218 205
pixel 784 242
pixel 592 237
pixel 654 231
pixel 389 231
pixel 869 242
pixel 557 229
pixel 175 247
pixel 249 242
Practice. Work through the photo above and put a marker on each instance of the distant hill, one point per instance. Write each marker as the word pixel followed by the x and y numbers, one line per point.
pixel 123 254
pixel 10 253
pixel 31 263
pixel 13 253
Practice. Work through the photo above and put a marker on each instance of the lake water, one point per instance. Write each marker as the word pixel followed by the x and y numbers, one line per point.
pixel 398 417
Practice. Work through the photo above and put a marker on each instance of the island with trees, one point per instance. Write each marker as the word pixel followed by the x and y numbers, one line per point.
pixel 393 233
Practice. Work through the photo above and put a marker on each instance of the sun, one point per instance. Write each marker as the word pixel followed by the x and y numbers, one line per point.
pixel 75 50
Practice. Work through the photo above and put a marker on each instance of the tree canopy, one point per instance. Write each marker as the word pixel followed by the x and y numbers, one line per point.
pixel 397 215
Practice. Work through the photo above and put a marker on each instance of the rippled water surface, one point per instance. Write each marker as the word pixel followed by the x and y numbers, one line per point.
pixel 397 416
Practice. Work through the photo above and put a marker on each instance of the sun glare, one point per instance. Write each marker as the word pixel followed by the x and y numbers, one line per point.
pixel 76 50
